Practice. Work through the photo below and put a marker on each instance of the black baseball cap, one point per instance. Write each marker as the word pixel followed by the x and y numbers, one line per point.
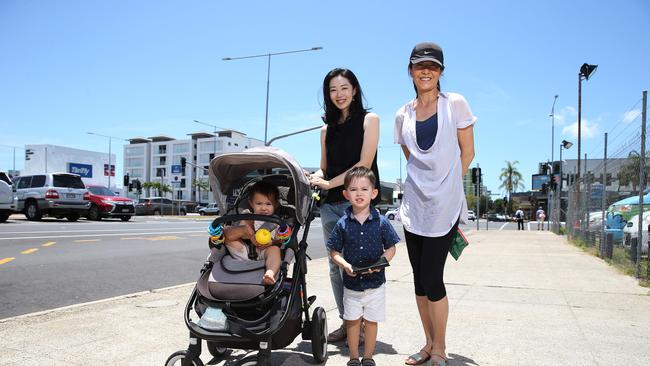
pixel 427 51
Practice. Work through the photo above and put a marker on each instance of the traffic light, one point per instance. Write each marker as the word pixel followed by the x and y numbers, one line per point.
pixel 474 175
pixel 556 167
pixel 183 162
pixel 138 186
pixel 126 180
pixel 544 188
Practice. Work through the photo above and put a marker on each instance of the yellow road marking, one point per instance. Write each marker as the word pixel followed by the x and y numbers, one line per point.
pixel 199 235
pixel 6 260
pixel 29 251
pixel 86 241
pixel 49 244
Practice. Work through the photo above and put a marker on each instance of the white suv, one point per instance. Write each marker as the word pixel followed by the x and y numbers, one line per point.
pixel 54 194
pixel 7 197
pixel 471 215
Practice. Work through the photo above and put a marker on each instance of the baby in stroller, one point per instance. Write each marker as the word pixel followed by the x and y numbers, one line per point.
pixel 257 240
pixel 243 302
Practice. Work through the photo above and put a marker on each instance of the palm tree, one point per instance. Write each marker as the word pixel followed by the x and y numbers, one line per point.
pixel 200 183
pixel 161 188
pixel 629 173
pixel 511 179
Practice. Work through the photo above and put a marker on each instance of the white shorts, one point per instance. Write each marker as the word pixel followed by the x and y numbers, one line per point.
pixel 369 304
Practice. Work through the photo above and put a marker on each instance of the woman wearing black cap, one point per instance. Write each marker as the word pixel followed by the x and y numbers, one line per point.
pixel 435 131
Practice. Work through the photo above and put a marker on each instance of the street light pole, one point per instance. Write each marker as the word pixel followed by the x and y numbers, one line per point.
pixel 553 129
pixel 585 71
pixel 268 75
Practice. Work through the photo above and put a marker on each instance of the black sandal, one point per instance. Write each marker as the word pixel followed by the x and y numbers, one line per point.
pixel 354 362
pixel 368 362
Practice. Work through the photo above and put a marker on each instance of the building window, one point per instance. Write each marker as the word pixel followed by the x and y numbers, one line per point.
pixel 181 148
pixel 134 162
pixel 183 183
pixel 161 172
pixel 134 150
pixel 162 149
pixel 162 160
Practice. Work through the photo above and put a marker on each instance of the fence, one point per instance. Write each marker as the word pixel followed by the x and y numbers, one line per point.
pixel 602 205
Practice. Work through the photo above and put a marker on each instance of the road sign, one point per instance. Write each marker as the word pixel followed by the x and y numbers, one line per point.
pixel 176 169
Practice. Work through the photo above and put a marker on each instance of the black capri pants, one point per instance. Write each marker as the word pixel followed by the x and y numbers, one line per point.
pixel 428 256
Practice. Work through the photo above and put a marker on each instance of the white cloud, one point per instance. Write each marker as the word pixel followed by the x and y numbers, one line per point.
pixel 565 114
pixel 589 129
pixel 631 115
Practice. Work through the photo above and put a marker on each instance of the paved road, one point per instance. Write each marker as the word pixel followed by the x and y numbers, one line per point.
pixel 54 263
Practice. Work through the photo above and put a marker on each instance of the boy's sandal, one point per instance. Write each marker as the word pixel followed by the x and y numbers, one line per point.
pixel 354 362
pixel 368 362
pixel 417 358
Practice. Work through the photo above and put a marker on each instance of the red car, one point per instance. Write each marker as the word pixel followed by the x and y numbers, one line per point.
pixel 105 203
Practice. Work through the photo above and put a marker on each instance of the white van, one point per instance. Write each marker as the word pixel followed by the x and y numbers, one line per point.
pixel 7 197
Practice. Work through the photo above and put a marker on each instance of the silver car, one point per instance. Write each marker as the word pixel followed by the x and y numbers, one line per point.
pixel 211 209
pixel 54 194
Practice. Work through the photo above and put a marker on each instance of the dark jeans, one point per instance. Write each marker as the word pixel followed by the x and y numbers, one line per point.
pixel 520 224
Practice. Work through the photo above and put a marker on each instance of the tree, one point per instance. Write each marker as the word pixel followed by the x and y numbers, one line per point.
pixel 629 173
pixel 511 180
pixel 200 183
pixel 161 188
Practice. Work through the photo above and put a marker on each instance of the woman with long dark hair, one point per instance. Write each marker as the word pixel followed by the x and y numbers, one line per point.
pixel 349 138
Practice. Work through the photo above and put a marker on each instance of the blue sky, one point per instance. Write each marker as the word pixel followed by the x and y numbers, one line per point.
pixel 145 68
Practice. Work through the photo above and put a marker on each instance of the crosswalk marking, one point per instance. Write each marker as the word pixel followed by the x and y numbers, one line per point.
pixel 29 251
pixel 49 244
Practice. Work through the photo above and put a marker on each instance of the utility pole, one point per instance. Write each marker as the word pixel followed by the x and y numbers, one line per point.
pixel 639 244
pixel 603 205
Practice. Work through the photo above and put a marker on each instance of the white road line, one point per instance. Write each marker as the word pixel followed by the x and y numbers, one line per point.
pixel 502 226
pixel 100 235
pixel 89 231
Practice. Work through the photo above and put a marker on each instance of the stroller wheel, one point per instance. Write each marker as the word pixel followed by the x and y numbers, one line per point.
pixel 319 335
pixel 177 358
pixel 215 350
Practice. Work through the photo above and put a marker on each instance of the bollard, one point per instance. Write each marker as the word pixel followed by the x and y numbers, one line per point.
pixel 609 246
pixel 633 243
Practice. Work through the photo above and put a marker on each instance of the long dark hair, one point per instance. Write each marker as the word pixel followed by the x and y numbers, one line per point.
pixel 332 112
pixel 442 68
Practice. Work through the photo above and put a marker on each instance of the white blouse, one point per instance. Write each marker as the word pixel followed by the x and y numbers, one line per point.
pixel 434 197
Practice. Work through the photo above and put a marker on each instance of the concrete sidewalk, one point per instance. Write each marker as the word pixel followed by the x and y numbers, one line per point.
pixel 516 298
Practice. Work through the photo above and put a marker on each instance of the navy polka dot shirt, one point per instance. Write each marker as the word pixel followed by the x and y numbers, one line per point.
pixel 362 245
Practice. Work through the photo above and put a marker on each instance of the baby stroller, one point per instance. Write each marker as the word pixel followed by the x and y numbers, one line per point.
pixel 234 309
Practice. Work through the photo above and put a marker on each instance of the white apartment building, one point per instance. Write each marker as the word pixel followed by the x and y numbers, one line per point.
pixel 158 159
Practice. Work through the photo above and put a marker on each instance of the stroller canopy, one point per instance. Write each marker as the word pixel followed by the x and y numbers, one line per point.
pixel 228 170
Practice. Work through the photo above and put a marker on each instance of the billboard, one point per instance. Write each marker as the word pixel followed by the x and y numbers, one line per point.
pixel 84 170
pixel 539 179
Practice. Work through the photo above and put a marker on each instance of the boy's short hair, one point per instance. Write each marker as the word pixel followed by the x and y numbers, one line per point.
pixel 359 172
pixel 266 189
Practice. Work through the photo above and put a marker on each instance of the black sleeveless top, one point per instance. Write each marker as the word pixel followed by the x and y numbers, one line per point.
pixel 343 143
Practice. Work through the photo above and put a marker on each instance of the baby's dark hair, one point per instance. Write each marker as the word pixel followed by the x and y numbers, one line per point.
pixel 359 172
pixel 266 189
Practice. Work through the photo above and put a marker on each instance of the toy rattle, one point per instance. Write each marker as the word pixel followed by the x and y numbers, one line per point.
pixel 263 237
pixel 216 234
pixel 284 234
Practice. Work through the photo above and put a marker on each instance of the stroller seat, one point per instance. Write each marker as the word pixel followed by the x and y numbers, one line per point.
pixel 234 280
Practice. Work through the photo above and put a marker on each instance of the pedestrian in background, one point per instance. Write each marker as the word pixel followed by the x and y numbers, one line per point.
pixel 437 137
pixel 519 215
pixel 541 216
pixel 348 139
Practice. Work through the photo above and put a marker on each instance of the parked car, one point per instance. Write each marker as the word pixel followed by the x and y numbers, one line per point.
pixel 393 214
pixel 210 209
pixel 497 217
pixel 631 230
pixel 53 194
pixel 159 206
pixel 105 203
pixel 7 197
pixel 471 215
